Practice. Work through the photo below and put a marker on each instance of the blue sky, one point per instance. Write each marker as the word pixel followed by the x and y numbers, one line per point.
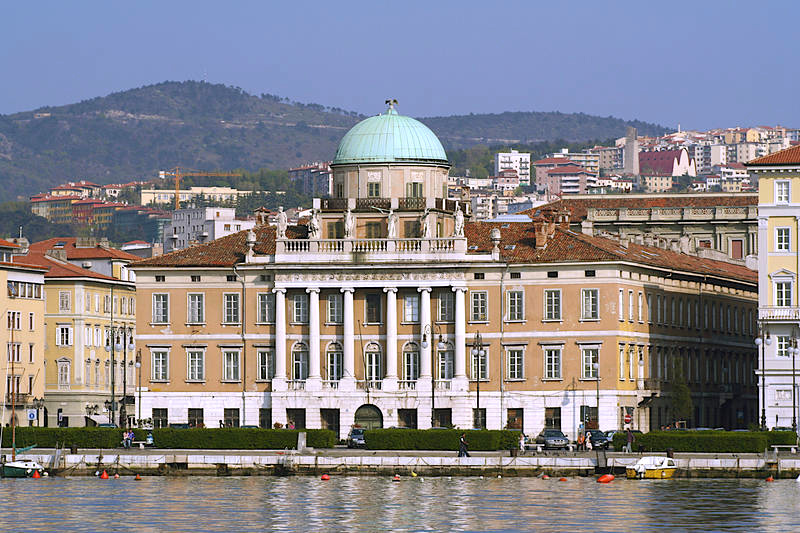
pixel 702 64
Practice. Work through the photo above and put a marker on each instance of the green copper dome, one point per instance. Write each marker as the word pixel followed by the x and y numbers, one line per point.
pixel 390 138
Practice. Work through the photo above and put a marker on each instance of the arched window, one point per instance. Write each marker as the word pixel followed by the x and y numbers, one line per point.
pixel 63 373
pixel 373 362
pixel 300 361
pixel 333 361
pixel 446 361
pixel 410 362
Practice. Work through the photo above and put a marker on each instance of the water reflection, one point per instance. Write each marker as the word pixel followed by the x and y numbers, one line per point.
pixel 377 504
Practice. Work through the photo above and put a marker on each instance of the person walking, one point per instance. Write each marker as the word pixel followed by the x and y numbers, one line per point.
pixel 629 441
pixel 462 446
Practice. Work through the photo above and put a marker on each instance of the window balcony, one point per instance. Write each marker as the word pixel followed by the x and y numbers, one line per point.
pixel 775 313
pixel 407 384
pixel 296 384
pixel 330 384
pixel 442 384
pixel 369 250
pixel 368 384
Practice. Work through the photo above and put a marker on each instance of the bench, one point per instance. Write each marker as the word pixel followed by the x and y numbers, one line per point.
pixel 136 443
pixel 778 447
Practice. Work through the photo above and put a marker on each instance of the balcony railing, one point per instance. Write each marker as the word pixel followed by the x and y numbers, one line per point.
pixel 673 213
pixel 442 384
pixel 330 383
pixel 407 384
pixel 778 313
pixel 376 247
pixel 296 384
pixel 19 398
pixel 369 384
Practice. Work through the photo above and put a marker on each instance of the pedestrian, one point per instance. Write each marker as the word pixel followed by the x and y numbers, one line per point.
pixel 522 442
pixel 629 441
pixel 462 446
pixel 581 441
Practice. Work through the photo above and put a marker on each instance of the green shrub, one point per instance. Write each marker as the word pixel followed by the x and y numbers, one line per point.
pixel 701 441
pixel 196 439
pixel 439 439
pixel 780 437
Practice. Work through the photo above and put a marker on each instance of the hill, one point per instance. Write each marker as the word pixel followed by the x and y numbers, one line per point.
pixel 133 134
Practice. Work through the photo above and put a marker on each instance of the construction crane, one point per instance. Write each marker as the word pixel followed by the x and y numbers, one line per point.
pixel 179 173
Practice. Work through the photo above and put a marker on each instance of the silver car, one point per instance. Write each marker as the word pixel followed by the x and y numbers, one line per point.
pixel 552 439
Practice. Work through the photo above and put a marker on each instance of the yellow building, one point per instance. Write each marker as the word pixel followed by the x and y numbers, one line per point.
pixel 22 334
pixel 83 308
pixel 778 177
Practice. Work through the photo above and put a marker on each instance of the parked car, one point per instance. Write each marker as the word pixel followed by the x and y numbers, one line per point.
pixel 552 438
pixel 355 439
pixel 598 438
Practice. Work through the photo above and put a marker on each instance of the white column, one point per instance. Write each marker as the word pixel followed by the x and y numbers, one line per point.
pixel 425 330
pixel 314 377
pixel 390 381
pixel 348 344
pixel 279 381
pixel 460 381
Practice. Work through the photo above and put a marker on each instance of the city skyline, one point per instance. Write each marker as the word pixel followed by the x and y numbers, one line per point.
pixel 692 67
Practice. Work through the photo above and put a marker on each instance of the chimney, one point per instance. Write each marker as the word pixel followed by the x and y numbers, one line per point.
pixel 495 237
pixel 59 254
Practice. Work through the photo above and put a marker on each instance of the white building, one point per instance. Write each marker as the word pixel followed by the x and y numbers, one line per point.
pixel 514 160
pixel 201 225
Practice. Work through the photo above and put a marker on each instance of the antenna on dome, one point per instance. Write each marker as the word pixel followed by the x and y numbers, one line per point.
pixel 391 102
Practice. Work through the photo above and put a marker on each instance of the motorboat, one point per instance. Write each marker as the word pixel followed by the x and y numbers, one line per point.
pixel 652 467
pixel 21 468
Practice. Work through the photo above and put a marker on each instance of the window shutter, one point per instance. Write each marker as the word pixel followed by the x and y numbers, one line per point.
pixel 58 340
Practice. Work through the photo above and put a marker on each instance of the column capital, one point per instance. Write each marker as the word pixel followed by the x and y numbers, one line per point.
pixel 456 289
pixel 312 289
pixel 347 289
pixel 390 289
pixel 424 289
pixel 276 290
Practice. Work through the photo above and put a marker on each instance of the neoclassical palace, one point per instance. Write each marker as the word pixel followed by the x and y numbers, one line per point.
pixel 389 307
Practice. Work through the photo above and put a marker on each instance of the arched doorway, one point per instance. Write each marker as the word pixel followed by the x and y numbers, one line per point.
pixel 369 417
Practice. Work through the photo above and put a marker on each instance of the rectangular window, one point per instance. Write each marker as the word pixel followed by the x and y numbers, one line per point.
pixel 411 308
pixel 335 309
pixel 230 365
pixel 12 352
pixel 266 307
pixel 630 306
pixel 195 417
pixel 374 189
pixel 160 309
pixel 446 363
pixel 410 363
pixel 640 307
pixel 552 418
pixel 196 364
pixel 783 294
pixel 515 364
pixel 63 336
pixel 64 301
pixel 480 311
pixel 197 309
pixel 265 417
pixel 782 348
pixel 589 304
pixel 231 308
pixel 334 362
pixel 782 192
pixel 160 361
pixel 552 363
pixel 589 358
pixel 88 300
pixel 373 308
pixel 621 362
pixel 446 306
pixel 231 417
pixel 14 320
pixel 31 351
pixel 479 364
pixel 515 305
pixel 373 230
pixel 414 190
pixel 621 305
pixel 782 239
pixel 160 418
pixel 552 304
pixel 300 308
pixel 265 365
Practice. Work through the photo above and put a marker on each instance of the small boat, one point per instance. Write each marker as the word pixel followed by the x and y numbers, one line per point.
pixel 652 467
pixel 21 468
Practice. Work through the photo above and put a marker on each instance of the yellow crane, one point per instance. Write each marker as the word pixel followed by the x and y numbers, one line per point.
pixel 179 173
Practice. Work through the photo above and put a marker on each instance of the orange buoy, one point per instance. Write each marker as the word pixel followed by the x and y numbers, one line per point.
pixel 770 479
pixel 562 479
pixel 396 478
pixel 104 475
pixel 605 478
pixel 116 476
pixel 36 474
pixel 545 476
pixel 138 477
pixel 325 477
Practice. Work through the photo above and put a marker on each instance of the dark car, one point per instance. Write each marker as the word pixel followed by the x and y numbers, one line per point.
pixel 598 438
pixel 355 439
pixel 552 438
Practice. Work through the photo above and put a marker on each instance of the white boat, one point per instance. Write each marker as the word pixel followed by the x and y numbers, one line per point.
pixel 652 467
pixel 21 468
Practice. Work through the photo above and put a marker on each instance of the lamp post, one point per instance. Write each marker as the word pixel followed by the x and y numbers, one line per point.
pixel 123 410
pixel 111 347
pixel 596 366
pixel 793 352
pixel 426 333
pixel 478 352
pixel 139 401
pixel 38 403
pixel 761 341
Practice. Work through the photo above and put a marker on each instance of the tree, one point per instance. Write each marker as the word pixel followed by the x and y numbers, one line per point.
pixel 681 397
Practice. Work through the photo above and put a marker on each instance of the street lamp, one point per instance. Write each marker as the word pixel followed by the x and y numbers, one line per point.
pixel 596 367
pixel 478 353
pixel 793 352
pixel 38 403
pixel 426 333
pixel 123 411
pixel 139 402
pixel 761 341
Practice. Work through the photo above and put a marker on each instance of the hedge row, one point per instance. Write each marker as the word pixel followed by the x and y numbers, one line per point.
pixel 439 439
pixel 198 438
pixel 707 441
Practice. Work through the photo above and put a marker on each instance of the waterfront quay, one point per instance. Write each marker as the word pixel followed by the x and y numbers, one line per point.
pixel 404 463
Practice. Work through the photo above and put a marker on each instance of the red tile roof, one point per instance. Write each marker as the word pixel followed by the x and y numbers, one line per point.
pixel 579 206
pixel 62 269
pixel 787 156
pixel 75 253
pixel 658 162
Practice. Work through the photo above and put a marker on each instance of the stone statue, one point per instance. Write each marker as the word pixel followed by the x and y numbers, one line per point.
pixel 314 225
pixel 458 230
pixel 426 226
pixel 391 225
pixel 349 224
pixel 283 222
